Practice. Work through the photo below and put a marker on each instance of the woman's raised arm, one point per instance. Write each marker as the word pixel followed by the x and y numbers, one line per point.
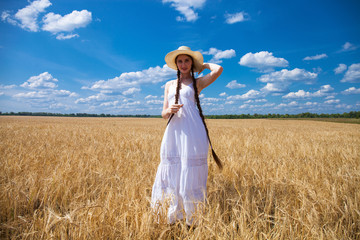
pixel 209 78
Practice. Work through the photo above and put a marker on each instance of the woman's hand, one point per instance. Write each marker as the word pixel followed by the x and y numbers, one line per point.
pixel 174 108
pixel 203 67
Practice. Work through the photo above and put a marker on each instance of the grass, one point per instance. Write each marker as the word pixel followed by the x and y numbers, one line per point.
pixel 91 178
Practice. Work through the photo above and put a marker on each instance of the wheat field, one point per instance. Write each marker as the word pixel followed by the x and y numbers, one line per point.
pixel 91 178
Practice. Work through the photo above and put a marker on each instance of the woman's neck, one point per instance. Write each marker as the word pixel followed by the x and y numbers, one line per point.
pixel 185 77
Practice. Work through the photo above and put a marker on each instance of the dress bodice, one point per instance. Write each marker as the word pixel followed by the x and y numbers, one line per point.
pixel 186 94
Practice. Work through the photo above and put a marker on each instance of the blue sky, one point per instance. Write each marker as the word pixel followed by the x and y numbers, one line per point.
pixel 108 56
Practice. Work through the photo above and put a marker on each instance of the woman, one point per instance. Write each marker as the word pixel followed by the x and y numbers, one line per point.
pixel 182 174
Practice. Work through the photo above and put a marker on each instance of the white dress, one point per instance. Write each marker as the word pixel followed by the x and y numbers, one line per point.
pixel 182 173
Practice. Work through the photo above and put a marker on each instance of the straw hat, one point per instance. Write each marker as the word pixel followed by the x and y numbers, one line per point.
pixel 198 58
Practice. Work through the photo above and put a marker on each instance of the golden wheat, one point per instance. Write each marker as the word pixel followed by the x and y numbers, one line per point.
pixel 91 178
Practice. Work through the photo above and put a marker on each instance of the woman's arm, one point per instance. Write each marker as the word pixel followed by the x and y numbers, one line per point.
pixel 209 78
pixel 167 111
pixel 164 112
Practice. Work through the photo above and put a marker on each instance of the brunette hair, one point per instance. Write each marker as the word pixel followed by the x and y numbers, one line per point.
pixel 177 93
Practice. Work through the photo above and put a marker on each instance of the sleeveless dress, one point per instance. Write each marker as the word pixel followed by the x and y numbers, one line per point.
pixel 182 173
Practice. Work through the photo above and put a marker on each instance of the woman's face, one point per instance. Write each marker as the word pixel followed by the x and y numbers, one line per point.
pixel 184 63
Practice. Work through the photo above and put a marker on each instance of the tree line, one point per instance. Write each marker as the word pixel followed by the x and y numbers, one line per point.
pixel 352 114
pixel 46 114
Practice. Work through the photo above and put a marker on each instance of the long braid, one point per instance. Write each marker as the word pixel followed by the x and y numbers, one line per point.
pixel 178 87
pixel 216 158
pixel 177 93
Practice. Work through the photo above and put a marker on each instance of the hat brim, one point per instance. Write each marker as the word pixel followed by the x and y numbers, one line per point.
pixel 197 57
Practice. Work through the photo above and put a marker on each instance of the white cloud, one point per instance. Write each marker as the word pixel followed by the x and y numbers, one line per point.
pixel 6 17
pixel 348 47
pixel 100 97
pixel 236 17
pixel 55 23
pixel 63 93
pixel 61 36
pixel 234 84
pixel 127 104
pixel 60 106
pixel 343 106
pixel 352 75
pixel 109 104
pixel 244 106
pixel 291 104
pixel 324 91
pixel 155 101
pixel 7 86
pixel 332 101
pixel 268 105
pixel 211 99
pixel 219 54
pixel 26 17
pixel 263 61
pixel 131 91
pixel 317 70
pixel 151 97
pixel 275 87
pixel 180 19
pixel 29 95
pixel 351 90
pixel 48 94
pixel 256 101
pixel 311 103
pixel 208 104
pixel 39 93
pixel 44 80
pixel 288 76
pixel 229 102
pixel 223 94
pixel 250 94
pixel 298 94
pixel 316 57
pixel 257 107
pixel 186 8
pixel 151 75
pixel 340 69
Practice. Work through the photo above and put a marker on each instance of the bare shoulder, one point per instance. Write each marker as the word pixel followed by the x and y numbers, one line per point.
pixel 169 83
